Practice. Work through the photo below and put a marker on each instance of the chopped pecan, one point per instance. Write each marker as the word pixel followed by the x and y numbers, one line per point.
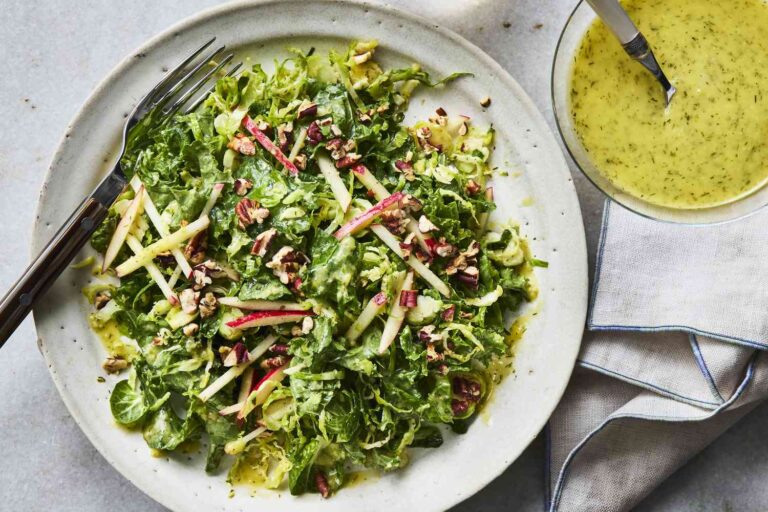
pixel 242 186
pixel 443 248
pixel 262 241
pixel 348 161
pixel 440 118
pixel 406 168
pixel 432 353
pixel 208 305
pixel 279 348
pixel 307 325
pixel 242 145
pixel 425 225
pixel 314 134
pixel 189 299
pixel 364 117
pixel 335 130
pixel 410 204
pixel 464 259
pixel 286 263
pixel 300 161
pixel 394 220
pixel 101 299
pixel 408 298
pixel 285 136
pixel 190 329
pixel 275 362
pixel 249 211
pixel 114 364
pixel 406 246
pixel 321 482
pixel 448 313
pixel 427 334
pixel 472 187
pixel 196 247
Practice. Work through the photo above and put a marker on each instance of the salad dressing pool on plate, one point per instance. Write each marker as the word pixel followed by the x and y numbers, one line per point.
pixel 710 146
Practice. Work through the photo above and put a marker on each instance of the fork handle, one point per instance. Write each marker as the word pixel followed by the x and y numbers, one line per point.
pixel 56 255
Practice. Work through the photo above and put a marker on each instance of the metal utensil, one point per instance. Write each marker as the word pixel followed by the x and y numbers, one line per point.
pixel 174 92
pixel 634 43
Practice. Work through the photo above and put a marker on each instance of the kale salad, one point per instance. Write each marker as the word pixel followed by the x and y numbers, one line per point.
pixel 302 283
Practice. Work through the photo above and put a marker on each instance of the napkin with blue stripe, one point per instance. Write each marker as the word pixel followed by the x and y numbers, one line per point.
pixel 672 357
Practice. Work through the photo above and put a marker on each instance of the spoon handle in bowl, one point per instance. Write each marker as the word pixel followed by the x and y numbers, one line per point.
pixel 616 19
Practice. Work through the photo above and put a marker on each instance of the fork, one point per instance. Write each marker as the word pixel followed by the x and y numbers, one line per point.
pixel 176 91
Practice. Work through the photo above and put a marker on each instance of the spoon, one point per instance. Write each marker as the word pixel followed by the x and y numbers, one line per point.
pixel 634 43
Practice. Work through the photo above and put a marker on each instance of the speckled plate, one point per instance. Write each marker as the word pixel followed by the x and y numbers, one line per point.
pixel 537 191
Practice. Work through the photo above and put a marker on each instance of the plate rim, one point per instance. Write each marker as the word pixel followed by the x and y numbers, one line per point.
pixel 580 309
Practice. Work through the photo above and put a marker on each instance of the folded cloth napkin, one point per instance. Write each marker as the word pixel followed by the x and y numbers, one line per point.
pixel 671 359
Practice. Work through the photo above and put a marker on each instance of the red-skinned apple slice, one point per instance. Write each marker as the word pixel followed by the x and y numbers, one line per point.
pixel 261 305
pixel 374 307
pixel 123 228
pixel 396 316
pixel 369 181
pixel 267 144
pixel 364 220
pixel 262 390
pixel 235 371
pixel 273 317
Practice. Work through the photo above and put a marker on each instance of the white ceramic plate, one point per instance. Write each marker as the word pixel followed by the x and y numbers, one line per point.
pixel 538 177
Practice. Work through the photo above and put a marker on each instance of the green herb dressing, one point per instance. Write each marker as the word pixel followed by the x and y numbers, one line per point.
pixel 709 147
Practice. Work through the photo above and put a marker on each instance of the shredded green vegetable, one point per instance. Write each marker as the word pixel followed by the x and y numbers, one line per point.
pixel 302 167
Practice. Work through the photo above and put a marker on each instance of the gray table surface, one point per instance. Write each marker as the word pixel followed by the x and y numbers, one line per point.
pixel 53 53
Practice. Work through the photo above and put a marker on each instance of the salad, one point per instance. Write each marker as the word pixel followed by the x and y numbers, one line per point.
pixel 303 282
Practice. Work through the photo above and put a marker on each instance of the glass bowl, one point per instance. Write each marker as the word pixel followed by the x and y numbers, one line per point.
pixel 580 20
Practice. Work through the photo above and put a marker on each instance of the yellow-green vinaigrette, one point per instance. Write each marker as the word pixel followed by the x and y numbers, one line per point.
pixel 711 145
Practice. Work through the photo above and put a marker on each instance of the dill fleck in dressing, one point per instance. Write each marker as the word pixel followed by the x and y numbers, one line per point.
pixel 711 146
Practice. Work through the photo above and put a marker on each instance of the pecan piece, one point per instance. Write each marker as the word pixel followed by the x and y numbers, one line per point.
pixel 286 264
pixel 242 186
pixel 472 187
pixel 321 482
pixel 274 362
pixel 262 242
pixel 208 305
pixel 190 329
pixel 114 364
pixel 314 134
pixel 242 145
pixel 101 299
pixel 425 225
pixel 196 247
pixel 249 211
pixel 189 299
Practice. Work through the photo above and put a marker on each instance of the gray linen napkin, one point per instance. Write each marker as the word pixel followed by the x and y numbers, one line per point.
pixel 670 359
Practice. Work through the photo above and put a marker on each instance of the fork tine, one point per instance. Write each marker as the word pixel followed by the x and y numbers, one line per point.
pixel 196 103
pixel 196 87
pixel 170 77
pixel 184 80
